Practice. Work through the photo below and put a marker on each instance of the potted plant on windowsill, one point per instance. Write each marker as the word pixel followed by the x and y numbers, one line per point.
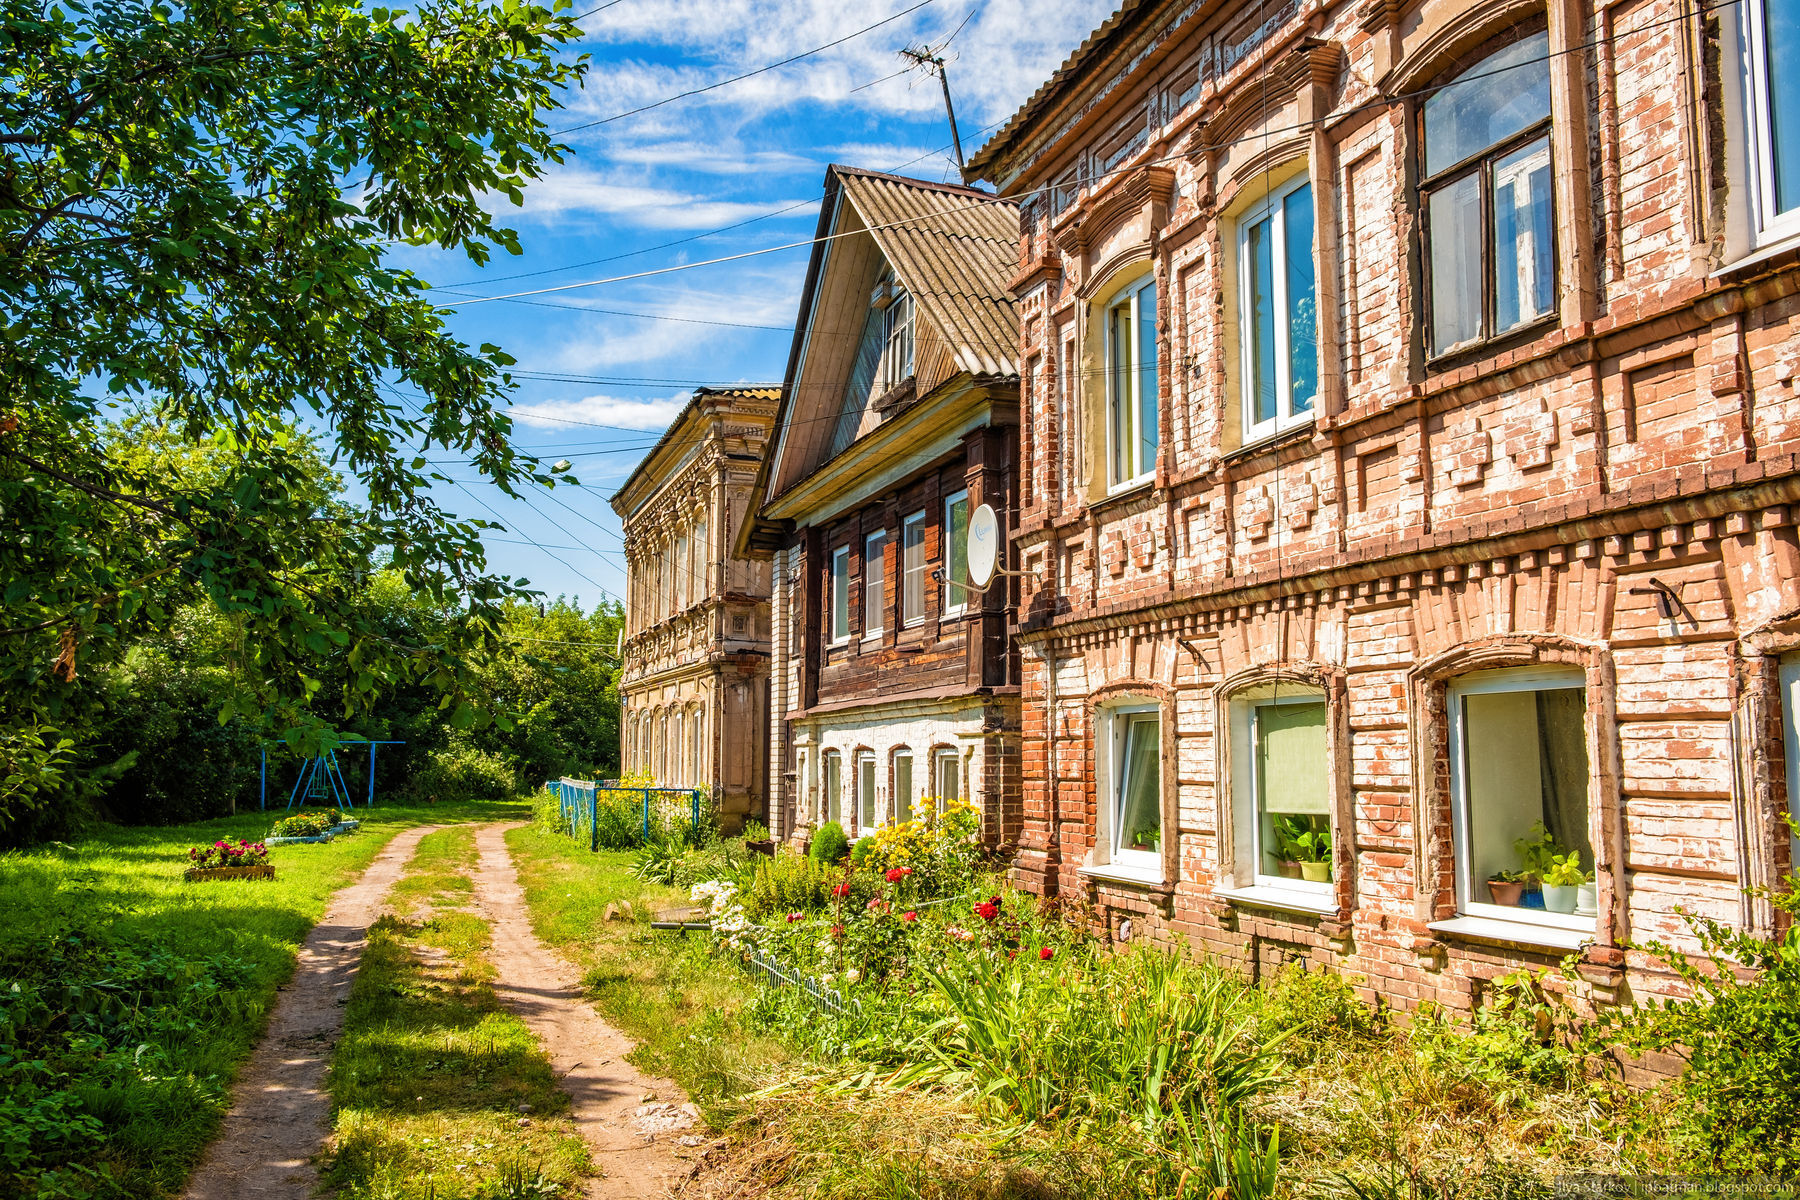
pixel 1287 860
pixel 1507 887
pixel 1537 850
pixel 1562 878
pixel 1313 850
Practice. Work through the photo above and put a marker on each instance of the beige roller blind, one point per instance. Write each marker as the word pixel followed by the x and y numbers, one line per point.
pixel 1290 759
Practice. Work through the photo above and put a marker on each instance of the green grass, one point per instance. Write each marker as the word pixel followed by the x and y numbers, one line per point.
pixel 428 1079
pixel 686 1009
pixel 129 998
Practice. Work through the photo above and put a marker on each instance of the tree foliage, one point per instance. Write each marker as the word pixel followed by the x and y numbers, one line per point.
pixel 196 204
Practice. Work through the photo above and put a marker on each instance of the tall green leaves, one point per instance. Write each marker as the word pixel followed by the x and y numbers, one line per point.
pixel 195 204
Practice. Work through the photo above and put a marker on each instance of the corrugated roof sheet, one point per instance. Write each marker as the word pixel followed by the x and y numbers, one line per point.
pixel 955 248
pixel 1090 48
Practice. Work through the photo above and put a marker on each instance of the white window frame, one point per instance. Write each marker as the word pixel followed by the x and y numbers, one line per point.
pixel 897 338
pixel 1313 696
pixel 1789 675
pixel 1513 679
pixel 840 583
pixel 943 759
pixel 909 569
pixel 949 607
pixel 875 554
pixel 831 786
pixel 905 798
pixel 1766 225
pixel 1271 208
pixel 1128 297
pixel 1118 720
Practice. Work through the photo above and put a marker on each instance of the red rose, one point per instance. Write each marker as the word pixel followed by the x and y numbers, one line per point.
pixel 896 874
pixel 842 889
pixel 1046 954
pixel 987 910
pixel 837 931
pixel 878 905
pixel 909 916
pixel 792 917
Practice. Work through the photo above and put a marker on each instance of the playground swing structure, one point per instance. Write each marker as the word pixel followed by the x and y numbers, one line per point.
pixel 321 780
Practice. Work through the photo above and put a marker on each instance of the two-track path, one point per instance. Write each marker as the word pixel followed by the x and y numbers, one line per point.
pixel 280 1112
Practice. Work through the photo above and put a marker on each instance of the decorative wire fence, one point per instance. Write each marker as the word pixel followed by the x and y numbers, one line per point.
pixel 773 972
pixel 619 818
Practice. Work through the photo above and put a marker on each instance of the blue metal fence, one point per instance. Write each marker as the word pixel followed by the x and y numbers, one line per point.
pixel 658 810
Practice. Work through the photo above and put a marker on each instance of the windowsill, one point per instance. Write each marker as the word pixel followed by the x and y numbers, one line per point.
pixel 1120 873
pixel 1482 349
pixel 874 635
pixel 1777 247
pixel 1283 899
pixel 1265 439
pixel 1123 493
pixel 1518 933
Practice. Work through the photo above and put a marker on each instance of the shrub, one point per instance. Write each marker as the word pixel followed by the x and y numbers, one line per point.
pixel 755 831
pixel 304 824
pixel 1516 1037
pixel 1319 1011
pixel 829 844
pixel 786 882
pixel 1740 1031
pixel 861 850
pixel 461 772
pixel 942 849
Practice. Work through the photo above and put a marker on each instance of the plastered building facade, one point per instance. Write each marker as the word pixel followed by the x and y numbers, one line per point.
pixel 693 691
pixel 1409 430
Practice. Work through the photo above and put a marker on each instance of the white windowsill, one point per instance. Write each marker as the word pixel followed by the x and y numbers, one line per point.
pixel 1118 873
pixel 1518 933
pixel 1778 244
pixel 874 635
pixel 1284 899
pixel 1124 487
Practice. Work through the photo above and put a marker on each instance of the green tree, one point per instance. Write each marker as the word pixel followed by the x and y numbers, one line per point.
pixel 195 208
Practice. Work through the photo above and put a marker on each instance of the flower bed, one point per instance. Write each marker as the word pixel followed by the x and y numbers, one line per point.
pixel 228 859
pixel 205 874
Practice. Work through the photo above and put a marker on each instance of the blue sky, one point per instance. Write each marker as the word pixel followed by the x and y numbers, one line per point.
pixel 598 383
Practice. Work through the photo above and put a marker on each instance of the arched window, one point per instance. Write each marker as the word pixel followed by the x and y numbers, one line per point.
pixel 1489 217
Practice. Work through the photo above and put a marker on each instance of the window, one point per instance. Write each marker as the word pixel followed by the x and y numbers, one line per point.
pixel 912 569
pixel 1771 34
pixel 1519 780
pixel 1134 794
pixel 840 595
pixel 702 560
pixel 1131 411
pixel 903 785
pixel 833 800
pixel 1291 831
pixel 865 791
pixel 947 775
pixel 897 363
pixel 1488 214
pixel 874 581
pixel 956 553
pixel 1278 311
pixel 1790 729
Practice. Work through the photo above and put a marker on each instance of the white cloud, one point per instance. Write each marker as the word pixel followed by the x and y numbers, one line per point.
pixel 625 412
pixel 578 193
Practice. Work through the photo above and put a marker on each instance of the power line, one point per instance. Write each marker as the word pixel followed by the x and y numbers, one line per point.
pixel 712 87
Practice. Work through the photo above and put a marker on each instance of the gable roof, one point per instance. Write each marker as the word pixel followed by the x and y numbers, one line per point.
pixel 1074 68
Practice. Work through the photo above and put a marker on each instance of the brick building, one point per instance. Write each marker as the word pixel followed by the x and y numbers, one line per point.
pixel 693 692
pixel 893 681
pixel 1410 426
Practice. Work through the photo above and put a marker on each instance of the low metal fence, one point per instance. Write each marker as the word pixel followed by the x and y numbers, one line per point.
pixel 774 973
pixel 656 812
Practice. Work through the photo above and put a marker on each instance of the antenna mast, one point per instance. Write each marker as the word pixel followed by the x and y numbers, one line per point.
pixel 922 57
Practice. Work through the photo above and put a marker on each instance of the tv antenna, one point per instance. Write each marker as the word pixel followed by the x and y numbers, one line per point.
pixel 923 57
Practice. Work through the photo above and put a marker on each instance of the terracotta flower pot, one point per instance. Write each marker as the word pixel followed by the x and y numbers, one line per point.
pixel 1316 872
pixel 1506 893
pixel 1290 869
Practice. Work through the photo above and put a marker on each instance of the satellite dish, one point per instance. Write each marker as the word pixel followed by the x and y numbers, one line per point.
pixel 984 545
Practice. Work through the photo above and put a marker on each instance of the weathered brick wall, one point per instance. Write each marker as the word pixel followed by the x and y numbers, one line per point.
pixel 1519 499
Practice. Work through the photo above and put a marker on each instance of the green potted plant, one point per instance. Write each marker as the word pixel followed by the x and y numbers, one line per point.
pixel 1561 877
pixel 1536 850
pixel 1287 859
pixel 1309 842
pixel 1506 887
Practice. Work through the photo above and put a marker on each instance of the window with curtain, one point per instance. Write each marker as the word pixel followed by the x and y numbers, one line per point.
pixel 874 582
pixel 831 769
pixel 1770 37
pixel 1489 218
pixel 840 594
pixel 903 785
pixel 956 553
pixel 1278 311
pixel 1292 829
pixel 1519 772
pixel 1131 384
pixel 865 791
pixel 912 569
pixel 1135 812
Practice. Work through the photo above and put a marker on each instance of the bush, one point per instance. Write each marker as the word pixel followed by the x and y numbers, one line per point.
pixel 784 883
pixel 943 850
pixel 461 772
pixel 829 844
pixel 860 852
pixel 1740 1031
pixel 304 824
pixel 1319 1010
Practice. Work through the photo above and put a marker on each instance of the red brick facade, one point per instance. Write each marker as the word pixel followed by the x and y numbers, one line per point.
pixel 1611 491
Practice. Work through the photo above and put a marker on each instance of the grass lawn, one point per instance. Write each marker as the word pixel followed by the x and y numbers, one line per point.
pixel 438 1092
pixel 133 996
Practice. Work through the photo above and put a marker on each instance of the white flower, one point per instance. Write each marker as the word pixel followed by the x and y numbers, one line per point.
pixel 852 975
